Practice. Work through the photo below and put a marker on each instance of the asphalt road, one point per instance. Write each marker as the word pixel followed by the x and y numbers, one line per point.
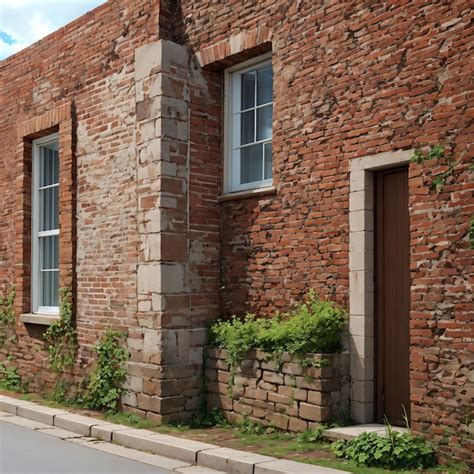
pixel 24 451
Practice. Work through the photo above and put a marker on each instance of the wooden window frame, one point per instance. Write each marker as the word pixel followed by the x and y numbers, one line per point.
pixel 232 127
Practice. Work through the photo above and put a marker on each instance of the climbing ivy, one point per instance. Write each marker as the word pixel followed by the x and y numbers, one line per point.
pixel 105 383
pixel 61 336
pixel 434 153
pixel 7 318
pixel 439 180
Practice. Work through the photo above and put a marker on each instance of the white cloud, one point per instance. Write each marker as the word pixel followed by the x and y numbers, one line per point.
pixel 27 21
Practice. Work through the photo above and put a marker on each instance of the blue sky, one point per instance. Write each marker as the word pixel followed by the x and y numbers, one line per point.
pixel 23 22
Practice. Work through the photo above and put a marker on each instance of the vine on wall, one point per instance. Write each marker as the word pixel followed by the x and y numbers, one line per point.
pixel 61 336
pixel 439 180
pixel 7 318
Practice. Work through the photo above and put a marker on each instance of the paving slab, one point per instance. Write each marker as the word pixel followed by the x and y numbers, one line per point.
pixel 77 423
pixel 198 470
pixel 146 458
pixel 165 445
pixel 25 422
pixel 231 460
pixel 59 433
pixel 10 404
pixel 39 413
pixel 281 466
pixel 350 432
pixel 105 432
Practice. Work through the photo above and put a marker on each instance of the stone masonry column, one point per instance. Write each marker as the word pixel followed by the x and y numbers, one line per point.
pixel 165 370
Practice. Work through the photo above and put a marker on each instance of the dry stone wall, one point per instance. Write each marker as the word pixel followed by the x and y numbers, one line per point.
pixel 282 394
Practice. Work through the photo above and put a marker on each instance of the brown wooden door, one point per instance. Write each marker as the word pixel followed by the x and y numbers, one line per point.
pixel 392 295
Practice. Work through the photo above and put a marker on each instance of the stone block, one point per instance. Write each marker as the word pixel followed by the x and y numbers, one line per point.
pixel 105 432
pixel 77 423
pixel 278 420
pixel 313 412
pixel 147 58
pixel 273 377
pixel 319 398
pixel 231 460
pixel 164 445
pixel 283 466
pixel 10 404
pixel 39 413
pixel 297 425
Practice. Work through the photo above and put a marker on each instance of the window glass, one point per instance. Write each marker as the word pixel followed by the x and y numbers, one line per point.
pixel 248 90
pixel 251 154
pixel 46 225
pixel 251 167
pixel 264 85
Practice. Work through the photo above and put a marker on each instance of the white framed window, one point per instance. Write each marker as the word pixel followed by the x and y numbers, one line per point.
pixel 45 225
pixel 248 127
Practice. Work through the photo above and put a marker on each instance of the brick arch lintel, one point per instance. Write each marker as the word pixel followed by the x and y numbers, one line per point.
pixel 236 48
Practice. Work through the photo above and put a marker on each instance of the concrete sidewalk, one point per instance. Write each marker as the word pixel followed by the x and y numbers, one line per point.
pixel 193 456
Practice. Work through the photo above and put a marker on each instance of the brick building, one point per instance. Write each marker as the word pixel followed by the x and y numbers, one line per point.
pixel 175 162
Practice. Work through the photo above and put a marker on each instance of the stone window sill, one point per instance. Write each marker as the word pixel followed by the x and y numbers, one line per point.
pixel 247 194
pixel 39 318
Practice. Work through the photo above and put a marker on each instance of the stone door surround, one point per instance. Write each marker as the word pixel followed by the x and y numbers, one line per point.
pixel 361 277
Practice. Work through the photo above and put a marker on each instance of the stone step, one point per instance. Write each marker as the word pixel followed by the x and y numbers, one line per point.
pixel 350 432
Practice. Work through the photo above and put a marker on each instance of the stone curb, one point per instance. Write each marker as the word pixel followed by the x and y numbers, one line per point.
pixel 195 452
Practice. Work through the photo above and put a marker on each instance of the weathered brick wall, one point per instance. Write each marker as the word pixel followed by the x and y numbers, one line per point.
pixel 285 394
pixel 90 63
pixel 356 79
pixel 351 79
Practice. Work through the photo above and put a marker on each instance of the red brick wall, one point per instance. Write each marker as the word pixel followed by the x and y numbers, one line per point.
pixel 351 79
pixel 89 63
pixel 355 79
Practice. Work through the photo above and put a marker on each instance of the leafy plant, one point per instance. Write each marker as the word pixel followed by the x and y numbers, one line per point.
pixel 312 436
pixel 105 384
pixel 394 451
pixel 250 427
pixel 10 377
pixel 317 364
pixel 61 336
pixel 7 318
pixel 312 326
pixel 208 418
pixel 434 153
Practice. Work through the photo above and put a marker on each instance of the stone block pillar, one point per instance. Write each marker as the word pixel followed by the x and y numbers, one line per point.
pixel 166 366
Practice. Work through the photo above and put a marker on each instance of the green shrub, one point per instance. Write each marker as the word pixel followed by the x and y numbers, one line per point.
pixel 61 336
pixel 10 378
pixel 208 418
pixel 314 326
pixel 312 436
pixel 105 384
pixel 397 450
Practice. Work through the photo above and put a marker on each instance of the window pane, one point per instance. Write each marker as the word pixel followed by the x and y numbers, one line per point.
pixel 268 161
pixel 48 166
pixel 248 90
pixel 48 208
pixel 247 127
pixel 49 252
pixel 49 288
pixel 264 85
pixel 251 164
pixel 264 123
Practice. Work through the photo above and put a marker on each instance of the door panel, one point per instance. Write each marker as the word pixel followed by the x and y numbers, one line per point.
pixel 392 298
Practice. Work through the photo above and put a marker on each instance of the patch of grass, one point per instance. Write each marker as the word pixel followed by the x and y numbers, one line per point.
pixel 129 419
pixel 304 447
